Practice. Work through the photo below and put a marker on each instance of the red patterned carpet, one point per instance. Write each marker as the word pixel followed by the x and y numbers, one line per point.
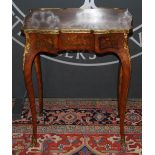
pixel 79 127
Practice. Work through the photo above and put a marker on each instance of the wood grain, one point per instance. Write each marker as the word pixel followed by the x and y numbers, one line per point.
pixel 111 43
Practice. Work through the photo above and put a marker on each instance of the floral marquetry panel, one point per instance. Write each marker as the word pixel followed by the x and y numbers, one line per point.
pixel 45 42
pixel 109 40
pixel 73 41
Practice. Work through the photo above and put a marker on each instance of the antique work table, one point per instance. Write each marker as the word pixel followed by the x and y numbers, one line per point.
pixel 102 30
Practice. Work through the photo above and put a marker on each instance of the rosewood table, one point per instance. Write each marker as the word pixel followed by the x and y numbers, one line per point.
pixel 102 30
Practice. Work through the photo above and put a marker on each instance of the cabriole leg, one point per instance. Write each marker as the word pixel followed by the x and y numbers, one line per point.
pixel 27 68
pixel 39 80
pixel 125 71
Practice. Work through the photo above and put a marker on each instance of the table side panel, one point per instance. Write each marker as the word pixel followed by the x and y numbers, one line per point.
pixel 109 40
pixel 44 42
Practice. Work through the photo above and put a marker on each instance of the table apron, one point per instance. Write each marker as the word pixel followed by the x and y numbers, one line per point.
pixel 53 43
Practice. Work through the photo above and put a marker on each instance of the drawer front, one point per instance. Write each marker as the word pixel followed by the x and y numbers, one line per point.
pixel 106 41
pixel 76 41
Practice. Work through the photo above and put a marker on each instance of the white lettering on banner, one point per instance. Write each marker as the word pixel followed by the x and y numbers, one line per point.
pixel 67 55
pixel 93 57
pixel 18 20
pixel 17 25
pixel 78 56
pixel 139 43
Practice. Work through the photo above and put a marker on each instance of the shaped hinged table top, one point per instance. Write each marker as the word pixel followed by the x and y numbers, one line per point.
pixel 77 19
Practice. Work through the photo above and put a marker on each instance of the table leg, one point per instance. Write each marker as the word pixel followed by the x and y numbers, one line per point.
pixel 119 88
pixel 27 68
pixel 39 79
pixel 125 71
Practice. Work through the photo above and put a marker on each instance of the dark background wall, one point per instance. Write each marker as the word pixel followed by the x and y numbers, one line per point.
pixel 76 74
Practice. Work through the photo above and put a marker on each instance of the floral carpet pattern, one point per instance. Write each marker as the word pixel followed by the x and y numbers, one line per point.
pixel 79 127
